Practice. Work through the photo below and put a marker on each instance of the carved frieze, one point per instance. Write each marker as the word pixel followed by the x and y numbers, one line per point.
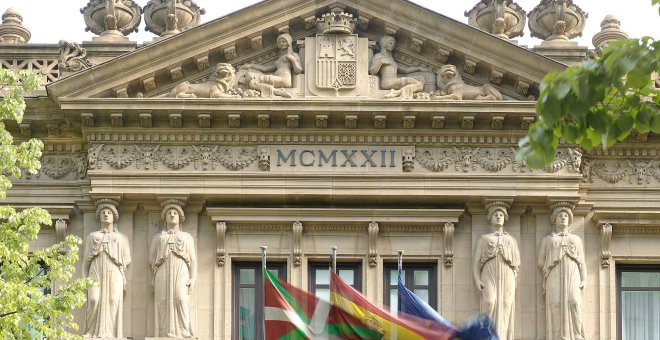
pixel 61 166
pixel 630 171
pixel 469 159
pixel 151 157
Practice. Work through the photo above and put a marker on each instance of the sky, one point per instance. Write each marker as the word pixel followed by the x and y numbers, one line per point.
pixel 50 21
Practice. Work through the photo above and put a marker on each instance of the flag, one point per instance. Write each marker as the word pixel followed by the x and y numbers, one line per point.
pixel 413 305
pixel 291 314
pixel 479 328
pixel 350 300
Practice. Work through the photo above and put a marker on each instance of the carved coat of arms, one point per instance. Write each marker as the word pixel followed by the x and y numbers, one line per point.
pixel 336 61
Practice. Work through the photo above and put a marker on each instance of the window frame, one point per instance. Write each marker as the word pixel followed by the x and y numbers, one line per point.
pixel 409 268
pixel 312 266
pixel 620 269
pixel 259 292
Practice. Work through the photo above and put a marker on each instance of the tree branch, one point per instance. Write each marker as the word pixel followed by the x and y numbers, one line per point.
pixel 8 314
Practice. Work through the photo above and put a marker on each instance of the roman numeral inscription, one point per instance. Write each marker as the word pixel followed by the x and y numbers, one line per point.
pixel 337 158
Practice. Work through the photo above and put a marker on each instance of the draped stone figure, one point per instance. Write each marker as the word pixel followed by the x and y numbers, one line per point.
pixel 283 69
pixel 106 258
pixel 174 263
pixel 383 64
pixel 495 269
pixel 561 258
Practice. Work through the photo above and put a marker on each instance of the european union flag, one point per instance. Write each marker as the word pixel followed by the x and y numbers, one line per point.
pixel 479 328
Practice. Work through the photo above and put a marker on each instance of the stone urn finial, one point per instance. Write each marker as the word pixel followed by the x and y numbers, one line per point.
pixel 557 20
pixel 12 30
pixel 610 30
pixel 503 18
pixel 169 17
pixel 112 20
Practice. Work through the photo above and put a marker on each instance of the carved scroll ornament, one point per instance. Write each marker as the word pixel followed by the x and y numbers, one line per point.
pixel 73 58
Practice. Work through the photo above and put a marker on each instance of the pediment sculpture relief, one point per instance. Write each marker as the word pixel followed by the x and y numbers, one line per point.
pixel 383 64
pixel 335 63
pixel 272 78
pixel 220 85
pixel 452 87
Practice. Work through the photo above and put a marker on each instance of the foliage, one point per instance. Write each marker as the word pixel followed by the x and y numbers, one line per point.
pixel 597 103
pixel 27 309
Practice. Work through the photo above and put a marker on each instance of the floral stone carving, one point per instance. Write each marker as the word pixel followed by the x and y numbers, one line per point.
pixel 638 172
pixel 112 20
pixel 503 18
pixel 57 167
pixel 147 157
pixel 468 159
pixel 452 87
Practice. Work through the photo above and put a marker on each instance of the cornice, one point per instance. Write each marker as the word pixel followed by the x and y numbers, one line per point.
pixel 301 104
pixel 332 215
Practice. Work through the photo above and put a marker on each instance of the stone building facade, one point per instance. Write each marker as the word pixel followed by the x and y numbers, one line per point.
pixel 367 125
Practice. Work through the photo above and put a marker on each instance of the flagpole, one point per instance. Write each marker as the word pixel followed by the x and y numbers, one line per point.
pixel 263 285
pixel 333 260
pixel 399 261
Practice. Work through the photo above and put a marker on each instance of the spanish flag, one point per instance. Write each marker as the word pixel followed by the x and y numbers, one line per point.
pixel 393 328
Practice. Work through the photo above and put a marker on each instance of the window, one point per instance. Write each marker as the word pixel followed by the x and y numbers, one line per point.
pixel 420 278
pixel 319 277
pixel 247 297
pixel 638 302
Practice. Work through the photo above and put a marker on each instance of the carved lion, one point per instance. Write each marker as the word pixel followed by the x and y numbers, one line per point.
pixel 219 86
pixel 451 87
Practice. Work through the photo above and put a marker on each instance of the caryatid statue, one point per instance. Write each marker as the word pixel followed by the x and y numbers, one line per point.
pixel 283 68
pixel 561 258
pixel 173 260
pixel 383 64
pixel 107 255
pixel 495 269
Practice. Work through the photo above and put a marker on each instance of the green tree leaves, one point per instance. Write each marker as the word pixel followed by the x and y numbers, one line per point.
pixel 26 312
pixel 597 103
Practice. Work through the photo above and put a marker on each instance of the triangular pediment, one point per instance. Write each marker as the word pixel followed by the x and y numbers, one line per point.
pixel 423 38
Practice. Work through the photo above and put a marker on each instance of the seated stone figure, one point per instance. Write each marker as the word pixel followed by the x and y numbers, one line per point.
pixel 451 87
pixel 219 86
pixel 283 69
pixel 384 65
